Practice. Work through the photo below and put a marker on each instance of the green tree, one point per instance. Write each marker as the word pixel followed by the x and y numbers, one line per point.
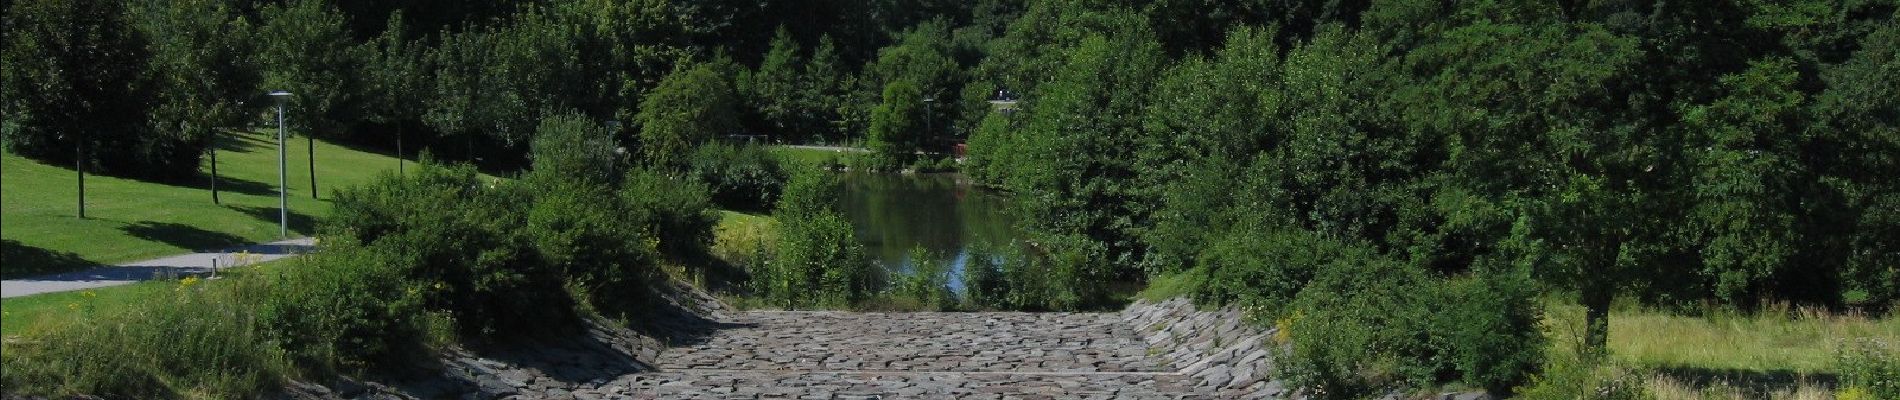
pixel 821 92
pixel 1557 140
pixel 775 87
pixel 896 125
pixel 74 72
pixel 1076 160
pixel 690 107
pixel 305 47
pixel 203 64
pixel 571 147
pixel 396 85
pixel 1745 203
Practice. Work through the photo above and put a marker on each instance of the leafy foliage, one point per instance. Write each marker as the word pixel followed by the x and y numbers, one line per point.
pixel 690 107
pixel 740 177
pixel 818 260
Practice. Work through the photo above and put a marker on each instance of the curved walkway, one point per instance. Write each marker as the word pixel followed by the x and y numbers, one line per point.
pixel 180 265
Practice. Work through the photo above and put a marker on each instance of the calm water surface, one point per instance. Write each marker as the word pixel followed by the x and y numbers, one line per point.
pixel 945 214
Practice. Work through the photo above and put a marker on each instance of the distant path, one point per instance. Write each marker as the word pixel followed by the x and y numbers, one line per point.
pixel 127 273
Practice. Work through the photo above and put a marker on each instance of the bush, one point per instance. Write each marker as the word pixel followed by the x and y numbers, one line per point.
pixel 983 284
pixel 928 282
pixel 459 237
pixel 345 307
pixel 572 147
pixel 1368 324
pixel 1488 327
pixel 1571 378
pixel 817 260
pixel 1360 328
pixel 676 212
pixel 587 234
pixel 819 263
pixel 740 178
pixel 1261 269
pixel 1870 369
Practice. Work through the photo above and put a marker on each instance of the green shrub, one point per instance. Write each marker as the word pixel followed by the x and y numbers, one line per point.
pixel 819 263
pixel 461 238
pixel 346 307
pixel 1572 378
pixel 1367 324
pixel 810 192
pixel 1261 269
pixel 740 177
pixel 677 212
pixel 1361 327
pixel 928 282
pixel 922 165
pixel 1488 327
pixel 1870 369
pixel 573 147
pixel 817 259
pixel 196 343
pixel 592 238
pixel 983 284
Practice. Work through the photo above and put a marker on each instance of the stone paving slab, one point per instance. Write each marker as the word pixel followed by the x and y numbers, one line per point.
pixel 951 342
pixel 695 384
pixel 846 355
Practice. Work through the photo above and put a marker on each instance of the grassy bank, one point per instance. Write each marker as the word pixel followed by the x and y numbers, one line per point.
pixel 23 315
pixel 131 219
pixel 1777 353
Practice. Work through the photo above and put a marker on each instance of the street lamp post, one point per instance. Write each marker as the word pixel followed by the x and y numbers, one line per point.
pixel 283 201
pixel 79 164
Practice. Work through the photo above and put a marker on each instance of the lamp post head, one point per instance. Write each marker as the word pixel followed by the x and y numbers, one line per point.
pixel 281 96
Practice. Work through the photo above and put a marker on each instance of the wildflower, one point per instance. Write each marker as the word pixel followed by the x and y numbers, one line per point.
pixel 89 294
pixel 72 306
pixel 186 283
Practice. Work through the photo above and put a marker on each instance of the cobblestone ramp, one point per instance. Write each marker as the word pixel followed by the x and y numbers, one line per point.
pixel 837 355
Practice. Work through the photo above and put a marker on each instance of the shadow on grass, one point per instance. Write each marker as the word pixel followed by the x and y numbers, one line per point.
pixel 244 143
pixel 228 184
pixel 21 260
pixel 182 236
pixel 1760 383
pixel 299 222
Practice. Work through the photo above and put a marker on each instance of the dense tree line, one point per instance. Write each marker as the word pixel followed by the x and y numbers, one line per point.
pixel 1680 153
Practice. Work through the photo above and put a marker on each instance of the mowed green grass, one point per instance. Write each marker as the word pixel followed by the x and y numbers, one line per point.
pixel 810 156
pixel 130 220
pixel 40 312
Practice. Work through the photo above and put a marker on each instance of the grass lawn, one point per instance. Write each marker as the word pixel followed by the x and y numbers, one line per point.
pixel 810 156
pixel 1776 342
pixel 21 315
pixel 132 220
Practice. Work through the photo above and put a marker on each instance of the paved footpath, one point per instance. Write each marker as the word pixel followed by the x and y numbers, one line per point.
pixel 841 355
pixel 194 263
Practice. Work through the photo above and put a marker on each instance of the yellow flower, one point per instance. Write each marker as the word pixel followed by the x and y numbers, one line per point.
pixel 89 294
pixel 72 306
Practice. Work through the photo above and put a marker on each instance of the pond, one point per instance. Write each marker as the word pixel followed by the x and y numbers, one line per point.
pixel 947 215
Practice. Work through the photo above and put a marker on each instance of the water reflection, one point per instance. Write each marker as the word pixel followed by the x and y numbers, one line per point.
pixel 945 214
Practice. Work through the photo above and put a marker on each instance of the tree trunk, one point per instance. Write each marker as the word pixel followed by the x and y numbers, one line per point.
pixel 399 155
pixel 312 141
pixel 1596 302
pixel 214 168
